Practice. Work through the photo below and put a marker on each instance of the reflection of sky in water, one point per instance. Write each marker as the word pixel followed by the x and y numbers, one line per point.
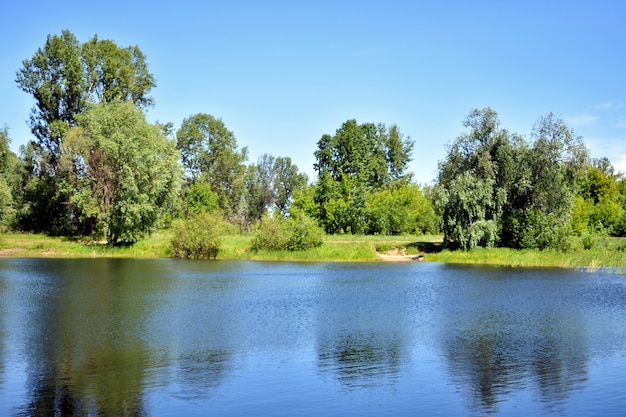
pixel 233 338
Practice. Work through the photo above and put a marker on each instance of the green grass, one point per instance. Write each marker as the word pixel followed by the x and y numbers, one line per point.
pixel 605 252
pixel 27 245
pixel 238 248
pixel 611 255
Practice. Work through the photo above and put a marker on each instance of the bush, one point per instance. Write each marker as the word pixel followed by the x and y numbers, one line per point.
pixel 198 237
pixel 293 233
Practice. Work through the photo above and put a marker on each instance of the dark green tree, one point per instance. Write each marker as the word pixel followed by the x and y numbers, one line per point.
pixel 270 184
pixel 358 160
pixel 209 154
pixel 65 77
pixel 370 154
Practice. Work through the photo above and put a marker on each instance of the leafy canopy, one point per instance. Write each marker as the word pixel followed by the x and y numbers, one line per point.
pixel 496 188
pixel 209 154
pixel 358 160
pixel 65 77
pixel 120 172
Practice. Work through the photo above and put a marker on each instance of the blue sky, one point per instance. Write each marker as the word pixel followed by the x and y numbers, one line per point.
pixel 280 74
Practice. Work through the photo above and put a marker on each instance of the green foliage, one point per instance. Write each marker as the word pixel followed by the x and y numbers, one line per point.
pixel 400 210
pixel 65 77
pixel 293 233
pixel 270 185
pixel 10 186
pixel 597 207
pixel 370 154
pixel 209 155
pixel 120 172
pixel 198 237
pixel 200 199
pixel 494 188
pixel 540 230
pixel 357 161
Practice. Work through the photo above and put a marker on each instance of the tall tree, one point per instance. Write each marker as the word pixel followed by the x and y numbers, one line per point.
pixel 271 183
pixel 358 160
pixel 209 154
pixel 543 191
pixel 65 77
pixel 119 171
pixel 373 155
pixel 473 180
pixel 494 187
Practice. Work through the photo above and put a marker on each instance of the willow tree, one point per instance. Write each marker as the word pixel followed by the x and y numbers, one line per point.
pixel 474 179
pixel 119 171
pixel 496 188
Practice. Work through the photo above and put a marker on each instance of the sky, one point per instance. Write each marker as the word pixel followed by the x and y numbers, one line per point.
pixel 280 74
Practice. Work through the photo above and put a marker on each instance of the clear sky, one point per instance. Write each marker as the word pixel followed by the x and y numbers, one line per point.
pixel 280 74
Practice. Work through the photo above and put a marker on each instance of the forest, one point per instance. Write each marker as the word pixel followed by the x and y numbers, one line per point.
pixel 98 170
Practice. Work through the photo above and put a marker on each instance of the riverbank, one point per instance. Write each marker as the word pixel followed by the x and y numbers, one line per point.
pixel 606 252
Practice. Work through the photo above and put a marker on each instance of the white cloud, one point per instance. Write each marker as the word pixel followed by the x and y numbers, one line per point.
pixel 613 149
pixel 582 120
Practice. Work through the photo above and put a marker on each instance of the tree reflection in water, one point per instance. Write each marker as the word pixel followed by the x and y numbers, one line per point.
pixel 491 360
pixel 83 337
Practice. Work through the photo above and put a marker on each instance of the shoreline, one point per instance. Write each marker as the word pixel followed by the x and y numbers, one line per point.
pixel 610 254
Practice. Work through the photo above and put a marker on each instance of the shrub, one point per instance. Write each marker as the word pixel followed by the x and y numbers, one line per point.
pixel 198 237
pixel 293 233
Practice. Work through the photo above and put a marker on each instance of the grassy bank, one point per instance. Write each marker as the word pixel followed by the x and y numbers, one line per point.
pixel 346 248
pixel 24 245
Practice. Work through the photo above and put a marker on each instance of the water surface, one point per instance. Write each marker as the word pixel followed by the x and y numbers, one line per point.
pixel 165 337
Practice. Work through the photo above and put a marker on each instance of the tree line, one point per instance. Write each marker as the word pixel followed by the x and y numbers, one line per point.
pixel 97 168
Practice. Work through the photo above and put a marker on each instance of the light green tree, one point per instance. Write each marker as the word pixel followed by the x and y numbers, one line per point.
pixel 400 210
pixel 119 171
pixel 597 207
pixel 10 169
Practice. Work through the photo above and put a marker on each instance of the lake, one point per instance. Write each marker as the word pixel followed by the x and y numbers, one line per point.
pixel 117 337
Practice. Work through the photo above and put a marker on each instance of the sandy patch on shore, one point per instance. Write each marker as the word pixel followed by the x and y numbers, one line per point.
pixel 396 255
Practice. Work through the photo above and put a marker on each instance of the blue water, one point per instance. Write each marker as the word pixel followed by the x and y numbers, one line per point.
pixel 166 337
